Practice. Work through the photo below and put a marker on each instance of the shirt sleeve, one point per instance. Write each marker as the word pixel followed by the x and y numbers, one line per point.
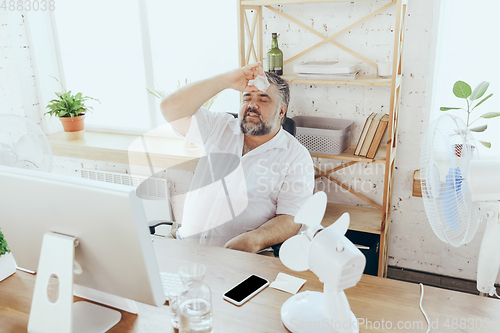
pixel 298 185
pixel 204 123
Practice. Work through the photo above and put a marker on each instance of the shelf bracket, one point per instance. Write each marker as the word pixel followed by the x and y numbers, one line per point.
pixel 250 34
pixel 326 174
pixel 331 38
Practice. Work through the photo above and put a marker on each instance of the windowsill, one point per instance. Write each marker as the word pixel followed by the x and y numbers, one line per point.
pixel 163 152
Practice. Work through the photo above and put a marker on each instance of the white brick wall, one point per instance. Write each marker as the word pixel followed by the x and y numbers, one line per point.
pixel 412 243
pixel 18 93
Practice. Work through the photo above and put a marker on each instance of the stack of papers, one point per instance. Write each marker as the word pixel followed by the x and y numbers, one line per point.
pixel 327 70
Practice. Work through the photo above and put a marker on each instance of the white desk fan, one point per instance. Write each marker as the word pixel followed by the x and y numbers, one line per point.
pixel 337 262
pixel 455 185
pixel 23 144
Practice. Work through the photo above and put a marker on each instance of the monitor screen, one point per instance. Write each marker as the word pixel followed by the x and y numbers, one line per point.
pixel 115 250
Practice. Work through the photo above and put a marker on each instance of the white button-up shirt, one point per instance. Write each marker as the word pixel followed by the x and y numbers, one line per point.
pixel 231 194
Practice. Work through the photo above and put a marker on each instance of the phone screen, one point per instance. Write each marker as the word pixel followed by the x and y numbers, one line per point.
pixel 245 288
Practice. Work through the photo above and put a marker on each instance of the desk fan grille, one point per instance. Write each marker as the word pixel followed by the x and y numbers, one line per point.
pixel 447 148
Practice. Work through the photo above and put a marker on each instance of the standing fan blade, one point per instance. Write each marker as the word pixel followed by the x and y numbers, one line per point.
pixel 311 214
pixel 448 147
pixel 294 253
pixel 451 190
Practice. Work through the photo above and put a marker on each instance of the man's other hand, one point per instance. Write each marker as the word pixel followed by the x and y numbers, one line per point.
pixel 244 242
pixel 275 231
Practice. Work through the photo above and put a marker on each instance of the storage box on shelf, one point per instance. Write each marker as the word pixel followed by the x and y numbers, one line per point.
pixel 323 135
pixel 376 220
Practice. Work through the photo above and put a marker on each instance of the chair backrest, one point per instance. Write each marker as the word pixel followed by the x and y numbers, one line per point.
pixel 288 125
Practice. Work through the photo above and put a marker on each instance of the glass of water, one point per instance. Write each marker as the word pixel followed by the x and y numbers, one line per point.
pixel 174 308
pixel 195 301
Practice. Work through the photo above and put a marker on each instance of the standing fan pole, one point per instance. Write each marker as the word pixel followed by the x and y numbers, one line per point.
pixel 489 254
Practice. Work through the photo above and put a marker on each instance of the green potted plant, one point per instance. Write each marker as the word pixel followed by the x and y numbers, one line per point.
pixel 70 109
pixel 464 91
pixel 7 263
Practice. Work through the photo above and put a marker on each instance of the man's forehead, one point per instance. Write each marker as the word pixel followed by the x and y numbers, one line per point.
pixel 271 92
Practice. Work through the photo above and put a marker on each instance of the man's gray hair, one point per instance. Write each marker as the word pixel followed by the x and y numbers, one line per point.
pixel 283 90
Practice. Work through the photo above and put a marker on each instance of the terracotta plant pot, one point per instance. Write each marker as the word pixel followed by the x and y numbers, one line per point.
pixel 459 148
pixel 73 125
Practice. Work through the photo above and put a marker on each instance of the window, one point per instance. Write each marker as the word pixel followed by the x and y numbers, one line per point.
pixel 466 49
pixel 115 50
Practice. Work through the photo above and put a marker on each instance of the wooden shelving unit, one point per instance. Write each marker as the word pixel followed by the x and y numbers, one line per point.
pixel 370 220
pixel 362 218
pixel 348 155
pixel 361 80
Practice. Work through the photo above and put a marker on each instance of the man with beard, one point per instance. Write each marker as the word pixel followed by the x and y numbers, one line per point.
pixel 278 170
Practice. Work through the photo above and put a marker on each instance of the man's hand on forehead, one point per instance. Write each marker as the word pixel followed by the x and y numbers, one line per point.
pixel 238 79
pixel 260 82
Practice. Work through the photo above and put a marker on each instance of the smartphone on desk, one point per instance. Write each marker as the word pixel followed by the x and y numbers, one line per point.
pixel 245 290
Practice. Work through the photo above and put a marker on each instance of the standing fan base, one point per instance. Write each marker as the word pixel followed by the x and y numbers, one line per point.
pixel 303 313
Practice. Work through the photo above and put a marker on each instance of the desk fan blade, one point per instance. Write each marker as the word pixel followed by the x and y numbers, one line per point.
pixel 294 253
pixel 311 214
pixel 342 224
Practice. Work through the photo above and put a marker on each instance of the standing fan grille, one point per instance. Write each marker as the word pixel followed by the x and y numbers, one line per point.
pixel 447 149
pixel 23 144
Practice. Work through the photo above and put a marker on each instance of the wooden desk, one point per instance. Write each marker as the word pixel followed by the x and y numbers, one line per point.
pixel 375 299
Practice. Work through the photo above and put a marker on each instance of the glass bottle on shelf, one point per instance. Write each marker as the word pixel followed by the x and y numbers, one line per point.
pixel 195 301
pixel 275 57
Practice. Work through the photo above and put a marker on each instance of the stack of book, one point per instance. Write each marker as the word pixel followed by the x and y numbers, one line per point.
pixel 372 134
pixel 327 70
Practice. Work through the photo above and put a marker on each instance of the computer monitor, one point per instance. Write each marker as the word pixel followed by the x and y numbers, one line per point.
pixel 114 248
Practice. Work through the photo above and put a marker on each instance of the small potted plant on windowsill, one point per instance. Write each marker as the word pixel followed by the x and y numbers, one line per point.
pixel 464 91
pixel 7 263
pixel 71 110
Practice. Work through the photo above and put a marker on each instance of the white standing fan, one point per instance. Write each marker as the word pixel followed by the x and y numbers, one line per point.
pixel 23 144
pixel 456 188
pixel 337 263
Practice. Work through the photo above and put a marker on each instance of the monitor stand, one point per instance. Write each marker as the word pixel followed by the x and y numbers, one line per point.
pixel 61 314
